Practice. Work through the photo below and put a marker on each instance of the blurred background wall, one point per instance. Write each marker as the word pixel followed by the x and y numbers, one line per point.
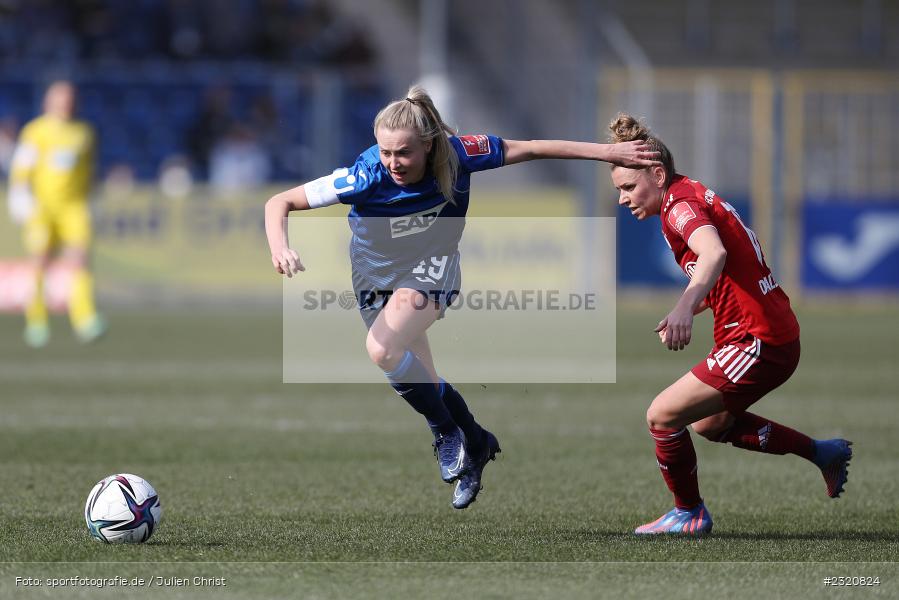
pixel 787 108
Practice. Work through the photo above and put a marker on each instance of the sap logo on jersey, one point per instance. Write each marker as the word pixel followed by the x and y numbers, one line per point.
pixel 475 145
pixel 414 223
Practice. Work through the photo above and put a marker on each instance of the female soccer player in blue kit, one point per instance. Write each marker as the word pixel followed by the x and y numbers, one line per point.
pixel 409 194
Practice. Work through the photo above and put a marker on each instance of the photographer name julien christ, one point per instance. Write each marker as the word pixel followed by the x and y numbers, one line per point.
pixel 190 581
pixel 119 581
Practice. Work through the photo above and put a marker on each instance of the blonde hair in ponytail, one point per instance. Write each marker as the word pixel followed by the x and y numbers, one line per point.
pixel 626 128
pixel 417 112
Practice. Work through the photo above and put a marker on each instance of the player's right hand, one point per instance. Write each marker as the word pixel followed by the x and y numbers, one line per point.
pixel 676 329
pixel 287 262
pixel 663 334
pixel 21 204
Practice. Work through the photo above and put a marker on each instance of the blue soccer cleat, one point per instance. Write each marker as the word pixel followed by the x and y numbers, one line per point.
pixel 92 331
pixel 695 521
pixel 832 457
pixel 469 484
pixel 449 449
pixel 37 335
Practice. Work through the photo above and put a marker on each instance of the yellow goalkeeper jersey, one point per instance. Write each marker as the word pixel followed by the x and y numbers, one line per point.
pixel 55 158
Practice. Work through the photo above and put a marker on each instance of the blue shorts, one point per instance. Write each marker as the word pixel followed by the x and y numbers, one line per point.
pixel 437 278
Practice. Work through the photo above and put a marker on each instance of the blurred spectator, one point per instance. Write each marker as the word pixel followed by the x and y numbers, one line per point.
pixel 185 28
pixel 146 106
pixel 9 129
pixel 100 26
pixel 175 179
pixel 264 121
pixel 119 181
pixel 275 30
pixel 272 30
pixel 47 30
pixel 319 36
pixel 213 123
pixel 238 162
pixel 229 27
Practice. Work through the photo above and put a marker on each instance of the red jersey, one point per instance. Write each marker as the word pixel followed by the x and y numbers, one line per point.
pixel 746 299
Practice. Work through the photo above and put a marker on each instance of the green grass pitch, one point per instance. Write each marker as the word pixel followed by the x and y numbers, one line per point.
pixel 332 492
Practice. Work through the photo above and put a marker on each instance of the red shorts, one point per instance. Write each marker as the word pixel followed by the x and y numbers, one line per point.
pixel 746 370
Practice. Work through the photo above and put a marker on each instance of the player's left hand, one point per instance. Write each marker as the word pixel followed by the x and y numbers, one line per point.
pixel 634 155
pixel 676 329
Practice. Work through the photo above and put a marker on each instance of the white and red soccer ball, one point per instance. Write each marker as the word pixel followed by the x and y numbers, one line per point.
pixel 122 508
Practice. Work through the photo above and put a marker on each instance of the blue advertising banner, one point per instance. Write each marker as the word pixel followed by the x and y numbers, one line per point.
pixel 644 258
pixel 850 246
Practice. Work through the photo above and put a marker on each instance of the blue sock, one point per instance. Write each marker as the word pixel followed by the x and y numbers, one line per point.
pixel 455 404
pixel 410 379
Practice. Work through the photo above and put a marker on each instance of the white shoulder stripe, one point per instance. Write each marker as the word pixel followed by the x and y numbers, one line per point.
pixel 698 228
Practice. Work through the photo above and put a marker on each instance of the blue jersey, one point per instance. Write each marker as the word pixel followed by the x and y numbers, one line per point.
pixel 395 227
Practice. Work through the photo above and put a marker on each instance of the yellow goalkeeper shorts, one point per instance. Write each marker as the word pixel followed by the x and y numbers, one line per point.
pixel 65 226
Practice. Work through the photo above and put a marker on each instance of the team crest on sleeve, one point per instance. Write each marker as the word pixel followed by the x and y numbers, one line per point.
pixel 475 145
pixel 681 214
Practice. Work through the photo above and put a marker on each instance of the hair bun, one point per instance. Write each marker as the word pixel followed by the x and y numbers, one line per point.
pixel 626 128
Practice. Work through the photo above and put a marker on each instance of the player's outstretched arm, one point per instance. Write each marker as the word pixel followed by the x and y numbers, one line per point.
pixel 19 198
pixel 676 329
pixel 285 260
pixel 636 154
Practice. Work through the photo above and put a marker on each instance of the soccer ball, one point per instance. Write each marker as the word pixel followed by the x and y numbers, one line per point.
pixel 122 509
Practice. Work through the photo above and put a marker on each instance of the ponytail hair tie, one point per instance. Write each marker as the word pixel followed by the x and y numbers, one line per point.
pixel 411 101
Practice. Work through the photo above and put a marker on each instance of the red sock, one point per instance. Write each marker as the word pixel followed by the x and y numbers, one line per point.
pixel 759 434
pixel 677 460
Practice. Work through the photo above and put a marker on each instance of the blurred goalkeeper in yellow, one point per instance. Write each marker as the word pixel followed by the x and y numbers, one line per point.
pixel 50 179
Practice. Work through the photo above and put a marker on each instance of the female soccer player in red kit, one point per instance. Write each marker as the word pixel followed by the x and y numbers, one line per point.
pixel 756 336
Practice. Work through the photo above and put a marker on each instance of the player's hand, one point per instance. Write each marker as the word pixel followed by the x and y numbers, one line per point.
pixel 20 204
pixel 663 333
pixel 634 155
pixel 676 329
pixel 287 262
